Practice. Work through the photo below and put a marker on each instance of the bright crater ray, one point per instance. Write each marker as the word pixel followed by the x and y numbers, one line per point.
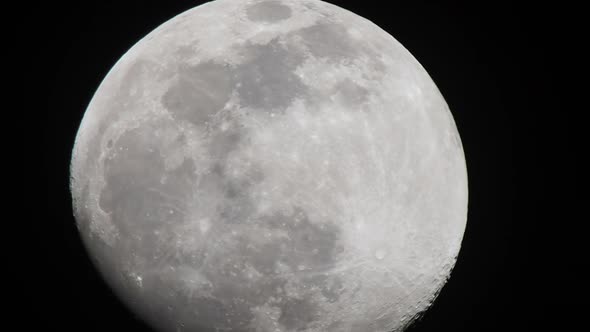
pixel 270 166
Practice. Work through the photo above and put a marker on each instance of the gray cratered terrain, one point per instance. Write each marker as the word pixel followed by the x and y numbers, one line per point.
pixel 270 166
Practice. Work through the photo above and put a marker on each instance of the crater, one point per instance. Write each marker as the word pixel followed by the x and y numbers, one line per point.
pixel 269 11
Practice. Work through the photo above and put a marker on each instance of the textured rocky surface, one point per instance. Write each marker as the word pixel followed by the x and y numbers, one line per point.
pixel 271 166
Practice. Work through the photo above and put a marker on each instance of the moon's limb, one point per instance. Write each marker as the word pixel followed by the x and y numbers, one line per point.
pixel 271 166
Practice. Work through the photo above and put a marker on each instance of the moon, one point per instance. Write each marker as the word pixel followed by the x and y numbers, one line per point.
pixel 269 165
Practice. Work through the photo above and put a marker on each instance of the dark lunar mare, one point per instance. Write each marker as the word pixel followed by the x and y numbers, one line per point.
pixel 270 11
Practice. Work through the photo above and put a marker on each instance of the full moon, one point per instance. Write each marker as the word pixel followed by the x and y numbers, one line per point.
pixel 270 165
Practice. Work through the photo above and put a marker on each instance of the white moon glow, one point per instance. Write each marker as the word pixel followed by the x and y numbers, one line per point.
pixel 270 166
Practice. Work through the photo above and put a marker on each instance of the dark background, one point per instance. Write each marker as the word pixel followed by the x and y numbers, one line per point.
pixel 494 64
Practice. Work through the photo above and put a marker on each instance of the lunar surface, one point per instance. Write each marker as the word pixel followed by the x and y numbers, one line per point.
pixel 270 166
